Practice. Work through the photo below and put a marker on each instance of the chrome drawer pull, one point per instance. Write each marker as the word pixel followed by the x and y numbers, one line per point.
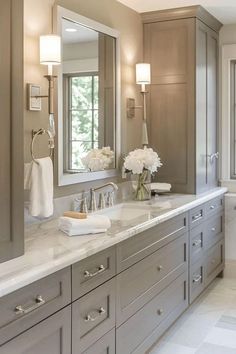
pixel 20 310
pixel 197 278
pixel 88 274
pixel 160 312
pixel 90 318
pixel 197 243
pixel 159 268
pixel 212 207
pixel 197 216
pixel 213 229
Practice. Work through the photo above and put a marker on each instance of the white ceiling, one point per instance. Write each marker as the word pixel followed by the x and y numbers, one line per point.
pixel 82 34
pixel 223 10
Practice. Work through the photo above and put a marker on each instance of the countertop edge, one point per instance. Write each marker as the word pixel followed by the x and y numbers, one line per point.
pixel 20 281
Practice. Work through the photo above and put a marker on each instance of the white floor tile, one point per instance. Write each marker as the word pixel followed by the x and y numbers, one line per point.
pixel 208 348
pixel 171 348
pixel 223 337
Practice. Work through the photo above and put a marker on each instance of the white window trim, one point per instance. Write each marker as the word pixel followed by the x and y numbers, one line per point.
pixel 228 54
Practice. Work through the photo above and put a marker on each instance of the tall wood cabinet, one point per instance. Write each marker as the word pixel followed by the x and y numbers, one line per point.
pixel 182 47
pixel 11 132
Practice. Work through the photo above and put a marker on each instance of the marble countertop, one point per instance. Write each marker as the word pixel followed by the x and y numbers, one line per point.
pixel 48 250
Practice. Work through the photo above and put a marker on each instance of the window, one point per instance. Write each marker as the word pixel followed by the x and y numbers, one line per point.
pixel 233 118
pixel 81 117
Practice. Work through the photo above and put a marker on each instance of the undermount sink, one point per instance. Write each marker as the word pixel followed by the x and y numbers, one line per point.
pixel 127 211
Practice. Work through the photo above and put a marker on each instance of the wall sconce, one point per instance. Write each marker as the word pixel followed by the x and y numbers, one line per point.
pixel 50 55
pixel 143 77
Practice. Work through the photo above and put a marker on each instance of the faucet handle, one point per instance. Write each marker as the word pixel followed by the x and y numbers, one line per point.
pixel 84 206
pixel 101 203
pixel 110 199
pixel 93 202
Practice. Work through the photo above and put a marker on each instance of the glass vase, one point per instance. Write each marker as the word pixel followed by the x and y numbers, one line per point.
pixel 142 186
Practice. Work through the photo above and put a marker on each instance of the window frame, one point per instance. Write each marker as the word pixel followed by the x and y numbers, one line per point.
pixel 67 121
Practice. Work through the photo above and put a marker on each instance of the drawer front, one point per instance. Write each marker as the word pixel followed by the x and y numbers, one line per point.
pixel 31 304
pixel 214 206
pixel 136 248
pixel 214 262
pixel 196 280
pixel 92 316
pixel 196 245
pixel 213 230
pixel 52 335
pixel 197 216
pixel 140 283
pixel 105 345
pixel 93 271
pixel 134 332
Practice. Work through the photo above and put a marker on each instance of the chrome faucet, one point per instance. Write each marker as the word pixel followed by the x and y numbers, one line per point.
pixel 93 201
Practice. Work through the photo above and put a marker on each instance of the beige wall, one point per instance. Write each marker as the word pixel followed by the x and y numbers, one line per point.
pixel 38 20
pixel 228 34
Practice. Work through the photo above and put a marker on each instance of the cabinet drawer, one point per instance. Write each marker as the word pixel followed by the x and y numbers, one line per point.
pixel 33 303
pixel 105 345
pixel 214 262
pixel 214 206
pixel 196 280
pixel 147 242
pixel 170 301
pixel 140 283
pixel 93 271
pixel 92 316
pixel 196 245
pixel 52 335
pixel 197 216
pixel 213 230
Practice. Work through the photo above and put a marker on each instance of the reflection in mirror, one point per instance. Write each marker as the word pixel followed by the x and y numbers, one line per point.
pixel 89 117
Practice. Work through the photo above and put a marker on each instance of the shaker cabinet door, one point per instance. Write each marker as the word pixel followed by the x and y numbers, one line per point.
pixel 206 107
pixel 11 132
pixel 51 336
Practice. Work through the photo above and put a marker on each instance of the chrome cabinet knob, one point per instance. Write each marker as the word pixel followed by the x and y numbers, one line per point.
pixel 160 312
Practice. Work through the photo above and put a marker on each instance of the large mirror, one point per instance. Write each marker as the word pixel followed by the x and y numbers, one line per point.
pixel 88 99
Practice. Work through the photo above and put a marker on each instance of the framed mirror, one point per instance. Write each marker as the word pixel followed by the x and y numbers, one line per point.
pixel 88 99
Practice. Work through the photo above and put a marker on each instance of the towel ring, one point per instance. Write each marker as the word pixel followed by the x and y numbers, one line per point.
pixel 35 134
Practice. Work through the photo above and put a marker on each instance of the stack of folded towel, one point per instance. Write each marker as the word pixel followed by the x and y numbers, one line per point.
pixel 93 224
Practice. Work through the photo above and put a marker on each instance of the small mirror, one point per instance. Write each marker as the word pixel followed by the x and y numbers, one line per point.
pixel 87 98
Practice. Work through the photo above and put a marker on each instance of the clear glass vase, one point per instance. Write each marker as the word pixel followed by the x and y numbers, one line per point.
pixel 142 185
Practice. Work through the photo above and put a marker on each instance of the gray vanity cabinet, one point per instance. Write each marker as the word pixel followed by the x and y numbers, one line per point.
pixel 51 336
pixel 11 132
pixel 120 300
pixel 182 47
pixel 206 245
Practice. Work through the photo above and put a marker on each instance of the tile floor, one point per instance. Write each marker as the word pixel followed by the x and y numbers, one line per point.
pixel 208 326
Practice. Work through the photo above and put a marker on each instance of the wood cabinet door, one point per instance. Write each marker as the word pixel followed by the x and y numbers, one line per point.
pixel 206 107
pixel 170 49
pixel 11 132
pixel 51 336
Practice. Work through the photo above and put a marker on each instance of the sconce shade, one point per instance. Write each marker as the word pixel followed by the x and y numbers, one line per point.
pixel 143 74
pixel 50 50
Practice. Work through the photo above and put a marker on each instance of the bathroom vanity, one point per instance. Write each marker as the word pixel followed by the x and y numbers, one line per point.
pixel 116 292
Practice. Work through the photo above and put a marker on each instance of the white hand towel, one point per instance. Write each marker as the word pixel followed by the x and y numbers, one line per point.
pixel 92 225
pixel 40 183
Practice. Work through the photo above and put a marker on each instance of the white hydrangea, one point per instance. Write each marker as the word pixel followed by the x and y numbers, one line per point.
pixel 142 159
pixel 98 159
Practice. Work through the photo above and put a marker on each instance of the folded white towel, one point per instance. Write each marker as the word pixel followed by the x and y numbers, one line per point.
pixel 39 180
pixel 162 187
pixel 94 224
